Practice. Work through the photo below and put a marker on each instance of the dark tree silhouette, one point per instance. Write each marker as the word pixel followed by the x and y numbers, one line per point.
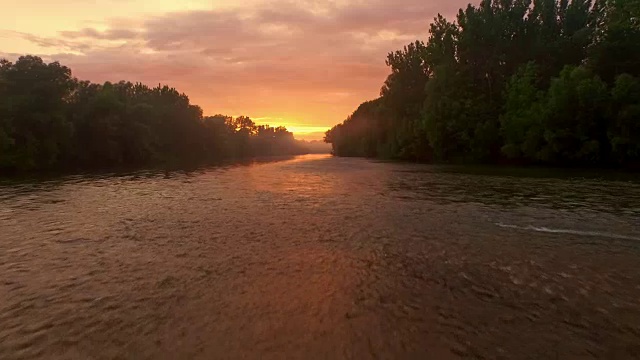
pixel 50 120
pixel 510 81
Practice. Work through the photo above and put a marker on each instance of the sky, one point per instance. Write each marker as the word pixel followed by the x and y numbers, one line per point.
pixel 303 64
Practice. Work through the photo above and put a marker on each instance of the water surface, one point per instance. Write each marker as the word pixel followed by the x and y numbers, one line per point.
pixel 320 257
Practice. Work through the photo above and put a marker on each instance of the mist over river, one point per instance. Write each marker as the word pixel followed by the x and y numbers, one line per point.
pixel 320 257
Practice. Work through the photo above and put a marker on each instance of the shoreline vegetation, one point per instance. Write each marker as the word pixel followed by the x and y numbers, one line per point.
pixel 510 82
pixel 51 122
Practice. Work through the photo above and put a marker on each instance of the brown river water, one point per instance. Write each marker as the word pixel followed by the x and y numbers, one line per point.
pixel 320 257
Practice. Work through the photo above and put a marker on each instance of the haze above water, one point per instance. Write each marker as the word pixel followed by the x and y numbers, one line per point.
pixel 320 257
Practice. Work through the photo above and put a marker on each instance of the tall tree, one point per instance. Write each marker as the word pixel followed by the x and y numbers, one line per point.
pixel 510 80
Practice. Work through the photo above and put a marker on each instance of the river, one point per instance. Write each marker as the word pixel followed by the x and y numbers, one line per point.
pixel 320 257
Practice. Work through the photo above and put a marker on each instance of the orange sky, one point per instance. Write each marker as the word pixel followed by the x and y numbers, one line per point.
pixel 303 64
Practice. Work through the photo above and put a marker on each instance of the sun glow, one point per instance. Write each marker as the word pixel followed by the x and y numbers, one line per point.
pixel 301 130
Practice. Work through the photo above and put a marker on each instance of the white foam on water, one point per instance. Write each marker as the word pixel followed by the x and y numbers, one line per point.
pixel 569 231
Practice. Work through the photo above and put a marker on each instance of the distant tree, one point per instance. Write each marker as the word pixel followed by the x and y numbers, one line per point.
pixel 50 120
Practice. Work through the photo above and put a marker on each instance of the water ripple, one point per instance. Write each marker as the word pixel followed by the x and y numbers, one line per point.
pixel 320 257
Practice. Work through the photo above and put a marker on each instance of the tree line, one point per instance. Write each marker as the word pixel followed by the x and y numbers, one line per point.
pixel 510 81
pixel 49 120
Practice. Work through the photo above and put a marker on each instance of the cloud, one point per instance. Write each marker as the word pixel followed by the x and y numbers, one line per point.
pixel 45 42
pixel 313 60
pixel 110 34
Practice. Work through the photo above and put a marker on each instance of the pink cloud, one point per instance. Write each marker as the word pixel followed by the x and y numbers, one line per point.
pixel 111 34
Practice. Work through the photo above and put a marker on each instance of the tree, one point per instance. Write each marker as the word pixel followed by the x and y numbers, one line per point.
pixel 624 132
pixel 50 120
pixel 532 81
pixel 575 118
pixel 33 98
pixel 615 49
pixel 521 122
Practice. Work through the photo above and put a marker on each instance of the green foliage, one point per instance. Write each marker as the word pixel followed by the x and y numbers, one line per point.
pixel 575 110
pixel 32 108
pixel 510 80
pixel 521 122
pixel 615 49
pixel 624 133
pixel 50 120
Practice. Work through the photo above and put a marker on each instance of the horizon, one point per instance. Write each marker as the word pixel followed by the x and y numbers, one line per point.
pixel 306 66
